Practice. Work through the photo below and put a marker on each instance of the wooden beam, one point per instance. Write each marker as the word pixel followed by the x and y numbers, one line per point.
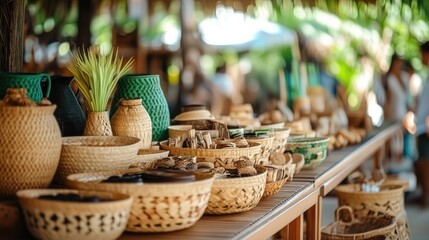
pixel 11 35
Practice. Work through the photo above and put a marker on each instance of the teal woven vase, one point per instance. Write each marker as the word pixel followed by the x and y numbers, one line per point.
pixel 148 88
pixel 33 82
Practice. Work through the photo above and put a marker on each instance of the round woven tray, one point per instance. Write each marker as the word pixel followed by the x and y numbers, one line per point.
pixel 95 153
pixel 273 187
pixel 157 207
pixel 234 195
pixel 49 219
pixel 219 157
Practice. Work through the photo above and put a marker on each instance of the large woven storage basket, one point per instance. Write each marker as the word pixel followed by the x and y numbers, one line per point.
pixel 30 147
pixel 66 220
pixel 382 227
pixel 95 153
pixel 219 157
pixel 234 195
pixel 157 207
pixel 388 201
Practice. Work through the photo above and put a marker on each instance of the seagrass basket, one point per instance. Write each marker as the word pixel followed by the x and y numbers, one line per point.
pixel 272 188
pixel 266 147
pixel 388 201
pixel 66 220
pixel 219 157
pixel 157 207
pixel 381 227
pixel 95 153
pixel 145 158
pixel 234 195
pixel 281 136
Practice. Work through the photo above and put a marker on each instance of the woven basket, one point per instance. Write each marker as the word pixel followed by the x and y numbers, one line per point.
pixel 220 157
pixel 266 147
pixel 95 153
pixel 145 158
pixel 49 219
pixel 132 120
pixel 30 147
pixel 234 195
pixel 157 207
pixel 381 227
pixel 388 201
pixel 272 188
pixel 97 124
pixel 182 131
pixel 280 139
pixel 314 150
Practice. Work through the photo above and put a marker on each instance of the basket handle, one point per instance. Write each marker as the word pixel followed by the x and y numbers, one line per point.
pixel 349 210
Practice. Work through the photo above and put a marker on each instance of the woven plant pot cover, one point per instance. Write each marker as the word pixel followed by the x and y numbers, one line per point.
pixel 30 147
pixel 157 207
pixel 148 88
pixel 30 81
pixel 388 201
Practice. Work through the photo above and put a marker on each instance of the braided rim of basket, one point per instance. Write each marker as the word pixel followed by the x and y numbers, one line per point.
pixel 76 142
pixel 252 150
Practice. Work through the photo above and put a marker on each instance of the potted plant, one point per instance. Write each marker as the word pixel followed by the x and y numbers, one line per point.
pixel 96 74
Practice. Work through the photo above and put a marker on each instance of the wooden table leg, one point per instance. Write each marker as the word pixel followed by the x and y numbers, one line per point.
pixel 314 221
pixel 294 230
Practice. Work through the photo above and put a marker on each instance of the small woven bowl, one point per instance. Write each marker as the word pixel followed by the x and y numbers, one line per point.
pixel 145 158
pixel 274 187
pixel 281 136
pixel 224 157
pixel 95 153
pixel 234 195
pixel 157 207
pixel 51 219
pixel 314 149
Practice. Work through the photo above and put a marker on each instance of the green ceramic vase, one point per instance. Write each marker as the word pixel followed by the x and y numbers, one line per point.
pixel 33 82
pixel 148 88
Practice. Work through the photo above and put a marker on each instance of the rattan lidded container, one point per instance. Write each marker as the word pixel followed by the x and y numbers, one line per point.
pixel 67 220
pixel 95 153
pixel 157 207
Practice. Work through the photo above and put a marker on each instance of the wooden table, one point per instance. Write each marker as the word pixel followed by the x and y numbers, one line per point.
pixel 297 198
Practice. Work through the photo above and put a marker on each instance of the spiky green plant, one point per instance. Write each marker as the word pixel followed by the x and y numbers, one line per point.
pixel 96 75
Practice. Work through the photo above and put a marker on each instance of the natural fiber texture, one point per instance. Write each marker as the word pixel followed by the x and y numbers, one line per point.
pixel 224 157
pixel 131 119
pixel 266 147
pixel 95 153
pixel 388 201
pixel 234 195
pixel 30 147
pixel 97 124
pixel 49 219
pixel 314 149
pixel 281 136
pixel 148 88
pixel 157 207
pixel 383 227
pixel 30 81
pixel 272 188
pixel 145 158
